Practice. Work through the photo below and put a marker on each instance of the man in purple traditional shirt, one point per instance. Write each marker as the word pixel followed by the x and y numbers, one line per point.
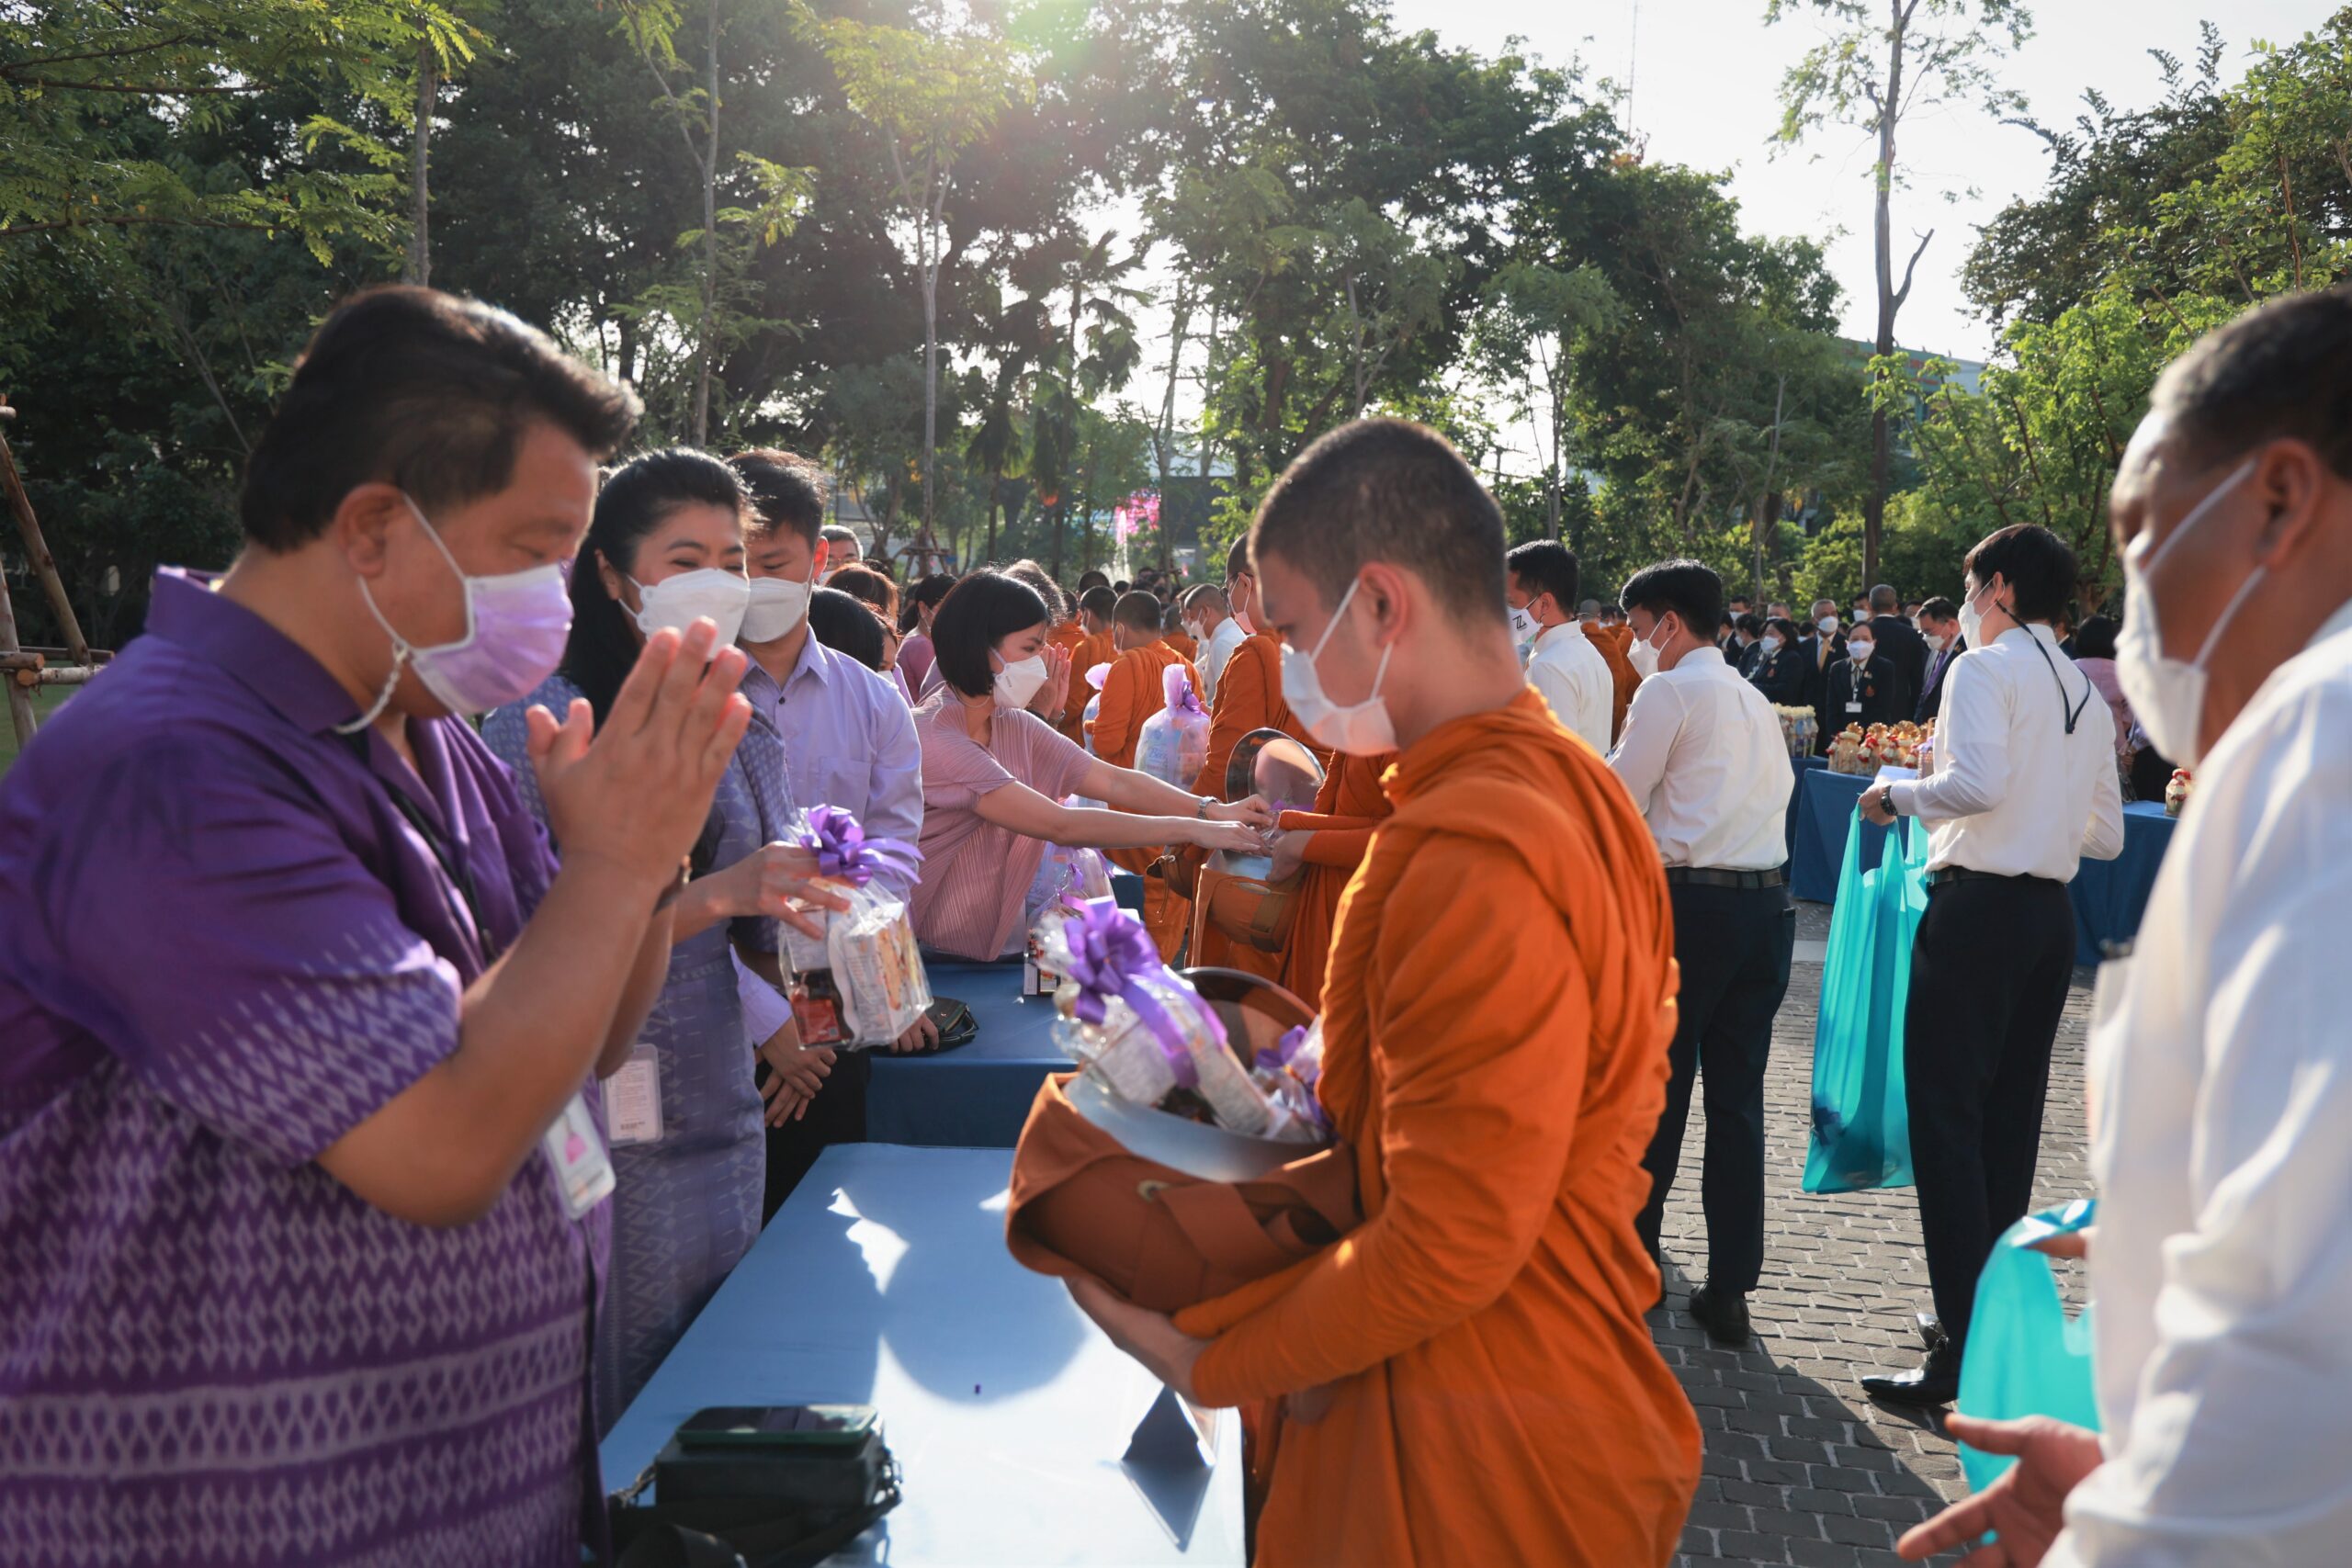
pixel 300 1166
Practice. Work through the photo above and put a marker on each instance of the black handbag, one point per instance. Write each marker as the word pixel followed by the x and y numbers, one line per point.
pixel 746 1509
pixel 956 1024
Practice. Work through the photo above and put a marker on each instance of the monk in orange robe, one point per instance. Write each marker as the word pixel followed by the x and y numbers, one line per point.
pixel 1133 691
pixel 1612 642
pixel 1062 631
pixel 1249 696
pixel 1465 1377
pixel 1324 847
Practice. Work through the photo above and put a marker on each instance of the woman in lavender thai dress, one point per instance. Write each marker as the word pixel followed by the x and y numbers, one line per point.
pixel 667 546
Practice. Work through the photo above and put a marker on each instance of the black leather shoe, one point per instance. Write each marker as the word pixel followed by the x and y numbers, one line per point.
pixel 1933 1383
pixel 1722 1314
pixel 1931 1330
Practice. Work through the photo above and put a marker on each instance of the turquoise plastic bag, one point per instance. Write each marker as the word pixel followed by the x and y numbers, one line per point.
pixel 1862 1130
pixel 2025 1356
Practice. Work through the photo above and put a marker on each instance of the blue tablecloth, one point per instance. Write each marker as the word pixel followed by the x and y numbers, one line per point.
pixel 885 1281
pixel 976 1096
pixel 1799 766
pixel 1127 888
pixel 2109 895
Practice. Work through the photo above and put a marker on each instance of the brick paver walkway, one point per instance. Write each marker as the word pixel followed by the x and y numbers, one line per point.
pixel 1800 1467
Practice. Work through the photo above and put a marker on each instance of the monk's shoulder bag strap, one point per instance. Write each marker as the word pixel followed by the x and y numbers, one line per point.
pixel 747 1531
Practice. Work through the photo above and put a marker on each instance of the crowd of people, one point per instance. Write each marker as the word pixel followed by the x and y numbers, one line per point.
pixel 401 1039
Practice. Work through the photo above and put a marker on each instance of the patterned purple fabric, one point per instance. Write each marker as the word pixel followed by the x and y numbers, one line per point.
pixel 226 948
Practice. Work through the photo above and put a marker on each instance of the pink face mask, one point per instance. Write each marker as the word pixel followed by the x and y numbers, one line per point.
pixel 516 624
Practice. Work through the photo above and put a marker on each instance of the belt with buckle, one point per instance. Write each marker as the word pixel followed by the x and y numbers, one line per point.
pixel 1711 876
pixel 1937 878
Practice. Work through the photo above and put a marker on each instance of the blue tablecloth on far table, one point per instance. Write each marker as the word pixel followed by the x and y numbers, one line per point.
pixel 976 1096
pixel 1799 766
pixel 885 1281
pixel 2109 895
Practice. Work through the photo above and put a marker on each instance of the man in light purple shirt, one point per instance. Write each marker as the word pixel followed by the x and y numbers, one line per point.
pixel 849 742
pixel 301 1171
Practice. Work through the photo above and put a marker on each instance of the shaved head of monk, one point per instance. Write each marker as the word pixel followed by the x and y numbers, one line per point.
pixel 1379 557
pixel 1135 620
pixel 1096 606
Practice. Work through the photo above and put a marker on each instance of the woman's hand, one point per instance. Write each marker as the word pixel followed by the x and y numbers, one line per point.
pixel 1253 811
pixel 1150 1337
pixel 1052 700
pixel 1233 837
pixel 2026 1507
pixel 796 1072
pixel 768 881
pixel 923 1034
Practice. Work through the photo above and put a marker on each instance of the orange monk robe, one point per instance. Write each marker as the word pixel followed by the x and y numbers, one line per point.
pixel 1249 696
pixel 1132 692
pixel 1612 642
pixel 1070 638
pixel 1347 809
pixel 1186 648
pixel 1501 1001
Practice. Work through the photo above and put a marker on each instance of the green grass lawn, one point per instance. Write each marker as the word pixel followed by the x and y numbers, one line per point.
pixel 46 700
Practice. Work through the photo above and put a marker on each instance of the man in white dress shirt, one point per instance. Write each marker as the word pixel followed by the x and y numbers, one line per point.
pixel 1210 623
pixel 1562 665
pixel 1705 759
pixel 2221 1064
pixel 2024 786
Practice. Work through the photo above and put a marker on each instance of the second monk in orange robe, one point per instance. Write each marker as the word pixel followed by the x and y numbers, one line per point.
pixel 1132 692
pixel 1249 696
pixel 1466 1376
pixel 1327 844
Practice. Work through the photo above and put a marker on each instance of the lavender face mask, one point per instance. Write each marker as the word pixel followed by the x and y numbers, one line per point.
pixel 515 626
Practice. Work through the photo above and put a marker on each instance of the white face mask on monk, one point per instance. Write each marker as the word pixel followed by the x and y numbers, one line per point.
pixel 1361 731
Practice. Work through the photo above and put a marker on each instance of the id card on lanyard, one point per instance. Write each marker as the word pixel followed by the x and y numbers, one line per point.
pixel 583 1172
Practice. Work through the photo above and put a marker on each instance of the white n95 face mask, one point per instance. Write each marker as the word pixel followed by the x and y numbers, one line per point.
pixel 2167 695
pixel 1361 731
pixel 1642 656
pixel 1019 682
pixel 1522 628
pixel 775 606
pixel 679 602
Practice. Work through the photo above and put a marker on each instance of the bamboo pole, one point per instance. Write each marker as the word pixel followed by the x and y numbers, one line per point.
pixel 36 548
pixel 20 698
pixel 65 676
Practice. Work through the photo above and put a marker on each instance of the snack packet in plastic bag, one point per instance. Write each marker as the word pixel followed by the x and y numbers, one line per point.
pixel 1143 1032
pixel 1173 744
pixel 865 983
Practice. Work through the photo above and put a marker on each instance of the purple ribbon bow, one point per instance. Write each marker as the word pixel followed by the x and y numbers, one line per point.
pixel 845 854
pixel 1110 956
pixel 1178 688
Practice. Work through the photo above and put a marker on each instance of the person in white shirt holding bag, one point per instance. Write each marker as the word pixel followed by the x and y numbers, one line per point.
pixel 2220 1055
pixel 2023 788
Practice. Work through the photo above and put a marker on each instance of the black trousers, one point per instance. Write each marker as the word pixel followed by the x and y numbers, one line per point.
pixel 1989 971
pixel 836 1116
pixel 1733 945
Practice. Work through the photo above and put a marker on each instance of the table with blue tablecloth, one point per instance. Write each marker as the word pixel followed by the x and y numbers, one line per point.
pixel 1799 767
pixel 885 1281
pixel 2108 895
pixel 974 1096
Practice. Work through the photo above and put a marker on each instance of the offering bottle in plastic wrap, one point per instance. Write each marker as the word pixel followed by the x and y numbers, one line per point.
pixel 1174 742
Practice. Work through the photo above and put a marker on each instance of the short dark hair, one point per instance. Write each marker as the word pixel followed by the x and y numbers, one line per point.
pixel 1941 608
pixel 873 587
pixel 1138 611
pixel 1237 558
pixel 1739 599
pixel 1099 600
pixel 603 647
pixel 1751 623
pixel 1059 603
pixel 1787 628
pixel 1686 587
pixel 791 491
pixel 925 594
pixel 426 390
pixel 1122 587
pixel 2037 564
pixel 1544 567
pixel 846 625
pixel 1093 578
pixel 1884 600
pixel 2281 370
pixel 1387 489
pixel 983 609
pixel 2095 639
